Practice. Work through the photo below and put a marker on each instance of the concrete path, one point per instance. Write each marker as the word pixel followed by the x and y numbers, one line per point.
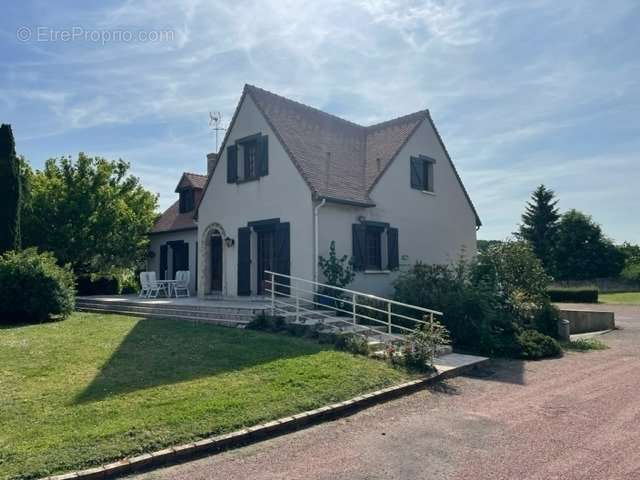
pixel 573 418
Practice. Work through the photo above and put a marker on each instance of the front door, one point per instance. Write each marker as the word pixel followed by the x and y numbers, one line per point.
pixel 266 253
pixel 216 263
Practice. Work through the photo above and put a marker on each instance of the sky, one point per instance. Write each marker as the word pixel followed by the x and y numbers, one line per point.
pixel 522 92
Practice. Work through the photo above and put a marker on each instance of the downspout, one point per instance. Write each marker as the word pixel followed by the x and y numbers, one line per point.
pixel 316 212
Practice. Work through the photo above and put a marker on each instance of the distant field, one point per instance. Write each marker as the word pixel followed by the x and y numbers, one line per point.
pixel 628 297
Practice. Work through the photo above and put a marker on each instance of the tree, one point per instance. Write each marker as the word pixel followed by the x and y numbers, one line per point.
pixel 582 251
pixel 91 213
pixel 540 225
pixel 10 190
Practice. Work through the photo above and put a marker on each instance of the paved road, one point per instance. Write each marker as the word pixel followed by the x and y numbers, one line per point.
pixel 573 418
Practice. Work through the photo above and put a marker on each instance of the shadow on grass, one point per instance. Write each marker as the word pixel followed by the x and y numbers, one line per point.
pixel 161 352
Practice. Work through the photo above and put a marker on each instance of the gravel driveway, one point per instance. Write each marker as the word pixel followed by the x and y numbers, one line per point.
pixel 573 418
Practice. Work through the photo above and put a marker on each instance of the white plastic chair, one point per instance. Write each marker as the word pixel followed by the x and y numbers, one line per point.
pixel 155 286
pixel 145 286
pixel 181 288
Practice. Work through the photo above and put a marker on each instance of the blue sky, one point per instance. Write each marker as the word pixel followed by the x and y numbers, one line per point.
pixel 542 91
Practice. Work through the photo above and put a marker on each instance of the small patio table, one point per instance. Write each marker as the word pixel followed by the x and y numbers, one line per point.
pixel 170 286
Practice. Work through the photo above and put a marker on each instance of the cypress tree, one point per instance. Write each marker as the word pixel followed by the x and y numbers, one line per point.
pixel 10 192
pixel 540 225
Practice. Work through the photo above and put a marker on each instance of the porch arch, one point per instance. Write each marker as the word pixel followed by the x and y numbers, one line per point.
pixel 204 272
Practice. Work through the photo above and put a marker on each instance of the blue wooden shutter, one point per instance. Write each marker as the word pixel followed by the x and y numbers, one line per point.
pixel 232 164
pixel 244 261
pixel 283 255
pixel 392 248
pixel 417 173
pixel 359 246
pixel 263 155
pixel 163 262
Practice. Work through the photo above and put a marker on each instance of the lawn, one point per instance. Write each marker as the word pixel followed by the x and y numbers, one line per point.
pixel 629 298
pixel 95 388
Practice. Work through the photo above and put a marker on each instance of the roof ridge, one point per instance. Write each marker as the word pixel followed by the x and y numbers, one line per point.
pixel 196 174
pixel 420 113
pixel 307 107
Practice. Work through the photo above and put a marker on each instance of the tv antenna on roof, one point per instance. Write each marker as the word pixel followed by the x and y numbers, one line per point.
pixel 215 120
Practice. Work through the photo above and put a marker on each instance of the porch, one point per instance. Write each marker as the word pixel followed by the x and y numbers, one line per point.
pixel 226 311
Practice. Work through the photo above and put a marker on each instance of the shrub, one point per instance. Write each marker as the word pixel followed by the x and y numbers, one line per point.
pixel 353 343
pixel 421 347
pixel 546 320
pixel 33 288
pixel 267 323
pixel 536 345
pixel 98 284
pixel 513 271
pixel 472 310
pixel 574 294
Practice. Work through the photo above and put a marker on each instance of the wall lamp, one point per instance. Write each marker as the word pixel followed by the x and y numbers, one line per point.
pixel 229 242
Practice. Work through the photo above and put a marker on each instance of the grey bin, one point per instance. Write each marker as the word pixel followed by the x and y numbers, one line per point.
pixel 564 329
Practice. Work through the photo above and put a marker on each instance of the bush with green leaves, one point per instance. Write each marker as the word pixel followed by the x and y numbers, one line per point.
pixel 472 309
pixel 546 320
pixel 422 345
pixel 337 272
pixel 34 288
pixel 536 345
pixel 267 323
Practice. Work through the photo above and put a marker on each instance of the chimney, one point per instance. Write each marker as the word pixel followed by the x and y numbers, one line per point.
pixel 212 159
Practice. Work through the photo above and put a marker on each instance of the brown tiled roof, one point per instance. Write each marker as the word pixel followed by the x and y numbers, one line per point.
pixel 193 180
pixel 171 219
pixel 338 159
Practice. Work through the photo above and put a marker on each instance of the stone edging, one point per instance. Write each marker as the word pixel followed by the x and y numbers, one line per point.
pixel 189 451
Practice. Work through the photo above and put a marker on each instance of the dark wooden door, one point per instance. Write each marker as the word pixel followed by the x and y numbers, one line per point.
pixel 266 254
pixel 216 264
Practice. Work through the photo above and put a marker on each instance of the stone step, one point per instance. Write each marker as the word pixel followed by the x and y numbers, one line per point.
pixel 231 314
pixel 162 303
pixel 213 321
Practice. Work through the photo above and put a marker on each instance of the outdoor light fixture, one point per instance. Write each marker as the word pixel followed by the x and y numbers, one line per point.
pixel 229 242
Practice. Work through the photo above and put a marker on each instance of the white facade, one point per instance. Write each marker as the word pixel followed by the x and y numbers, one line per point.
pixel 226 207
pixel 434 228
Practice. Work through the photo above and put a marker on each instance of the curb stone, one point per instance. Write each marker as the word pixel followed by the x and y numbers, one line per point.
pixel 273 428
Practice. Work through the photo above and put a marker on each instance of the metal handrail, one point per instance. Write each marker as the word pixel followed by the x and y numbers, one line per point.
pixel 346 300
pixel 310 296
pixel 354 292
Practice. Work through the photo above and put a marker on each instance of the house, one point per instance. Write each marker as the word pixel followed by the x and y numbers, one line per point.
pixel 289 179
pixel 174 236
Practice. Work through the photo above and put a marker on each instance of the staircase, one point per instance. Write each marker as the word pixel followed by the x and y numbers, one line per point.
pixel 381 321
pixel 228 314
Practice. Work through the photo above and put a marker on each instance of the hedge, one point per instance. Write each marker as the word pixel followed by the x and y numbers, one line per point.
pixel 574 294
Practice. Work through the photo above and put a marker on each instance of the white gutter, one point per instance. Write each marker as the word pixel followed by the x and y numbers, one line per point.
pixel 316 211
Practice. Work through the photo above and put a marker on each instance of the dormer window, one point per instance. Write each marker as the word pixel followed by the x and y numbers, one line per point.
pixel 187 200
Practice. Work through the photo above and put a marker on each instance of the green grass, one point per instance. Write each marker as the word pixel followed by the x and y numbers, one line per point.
pixel 95 388
pixel 632 298
pixel 584 345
